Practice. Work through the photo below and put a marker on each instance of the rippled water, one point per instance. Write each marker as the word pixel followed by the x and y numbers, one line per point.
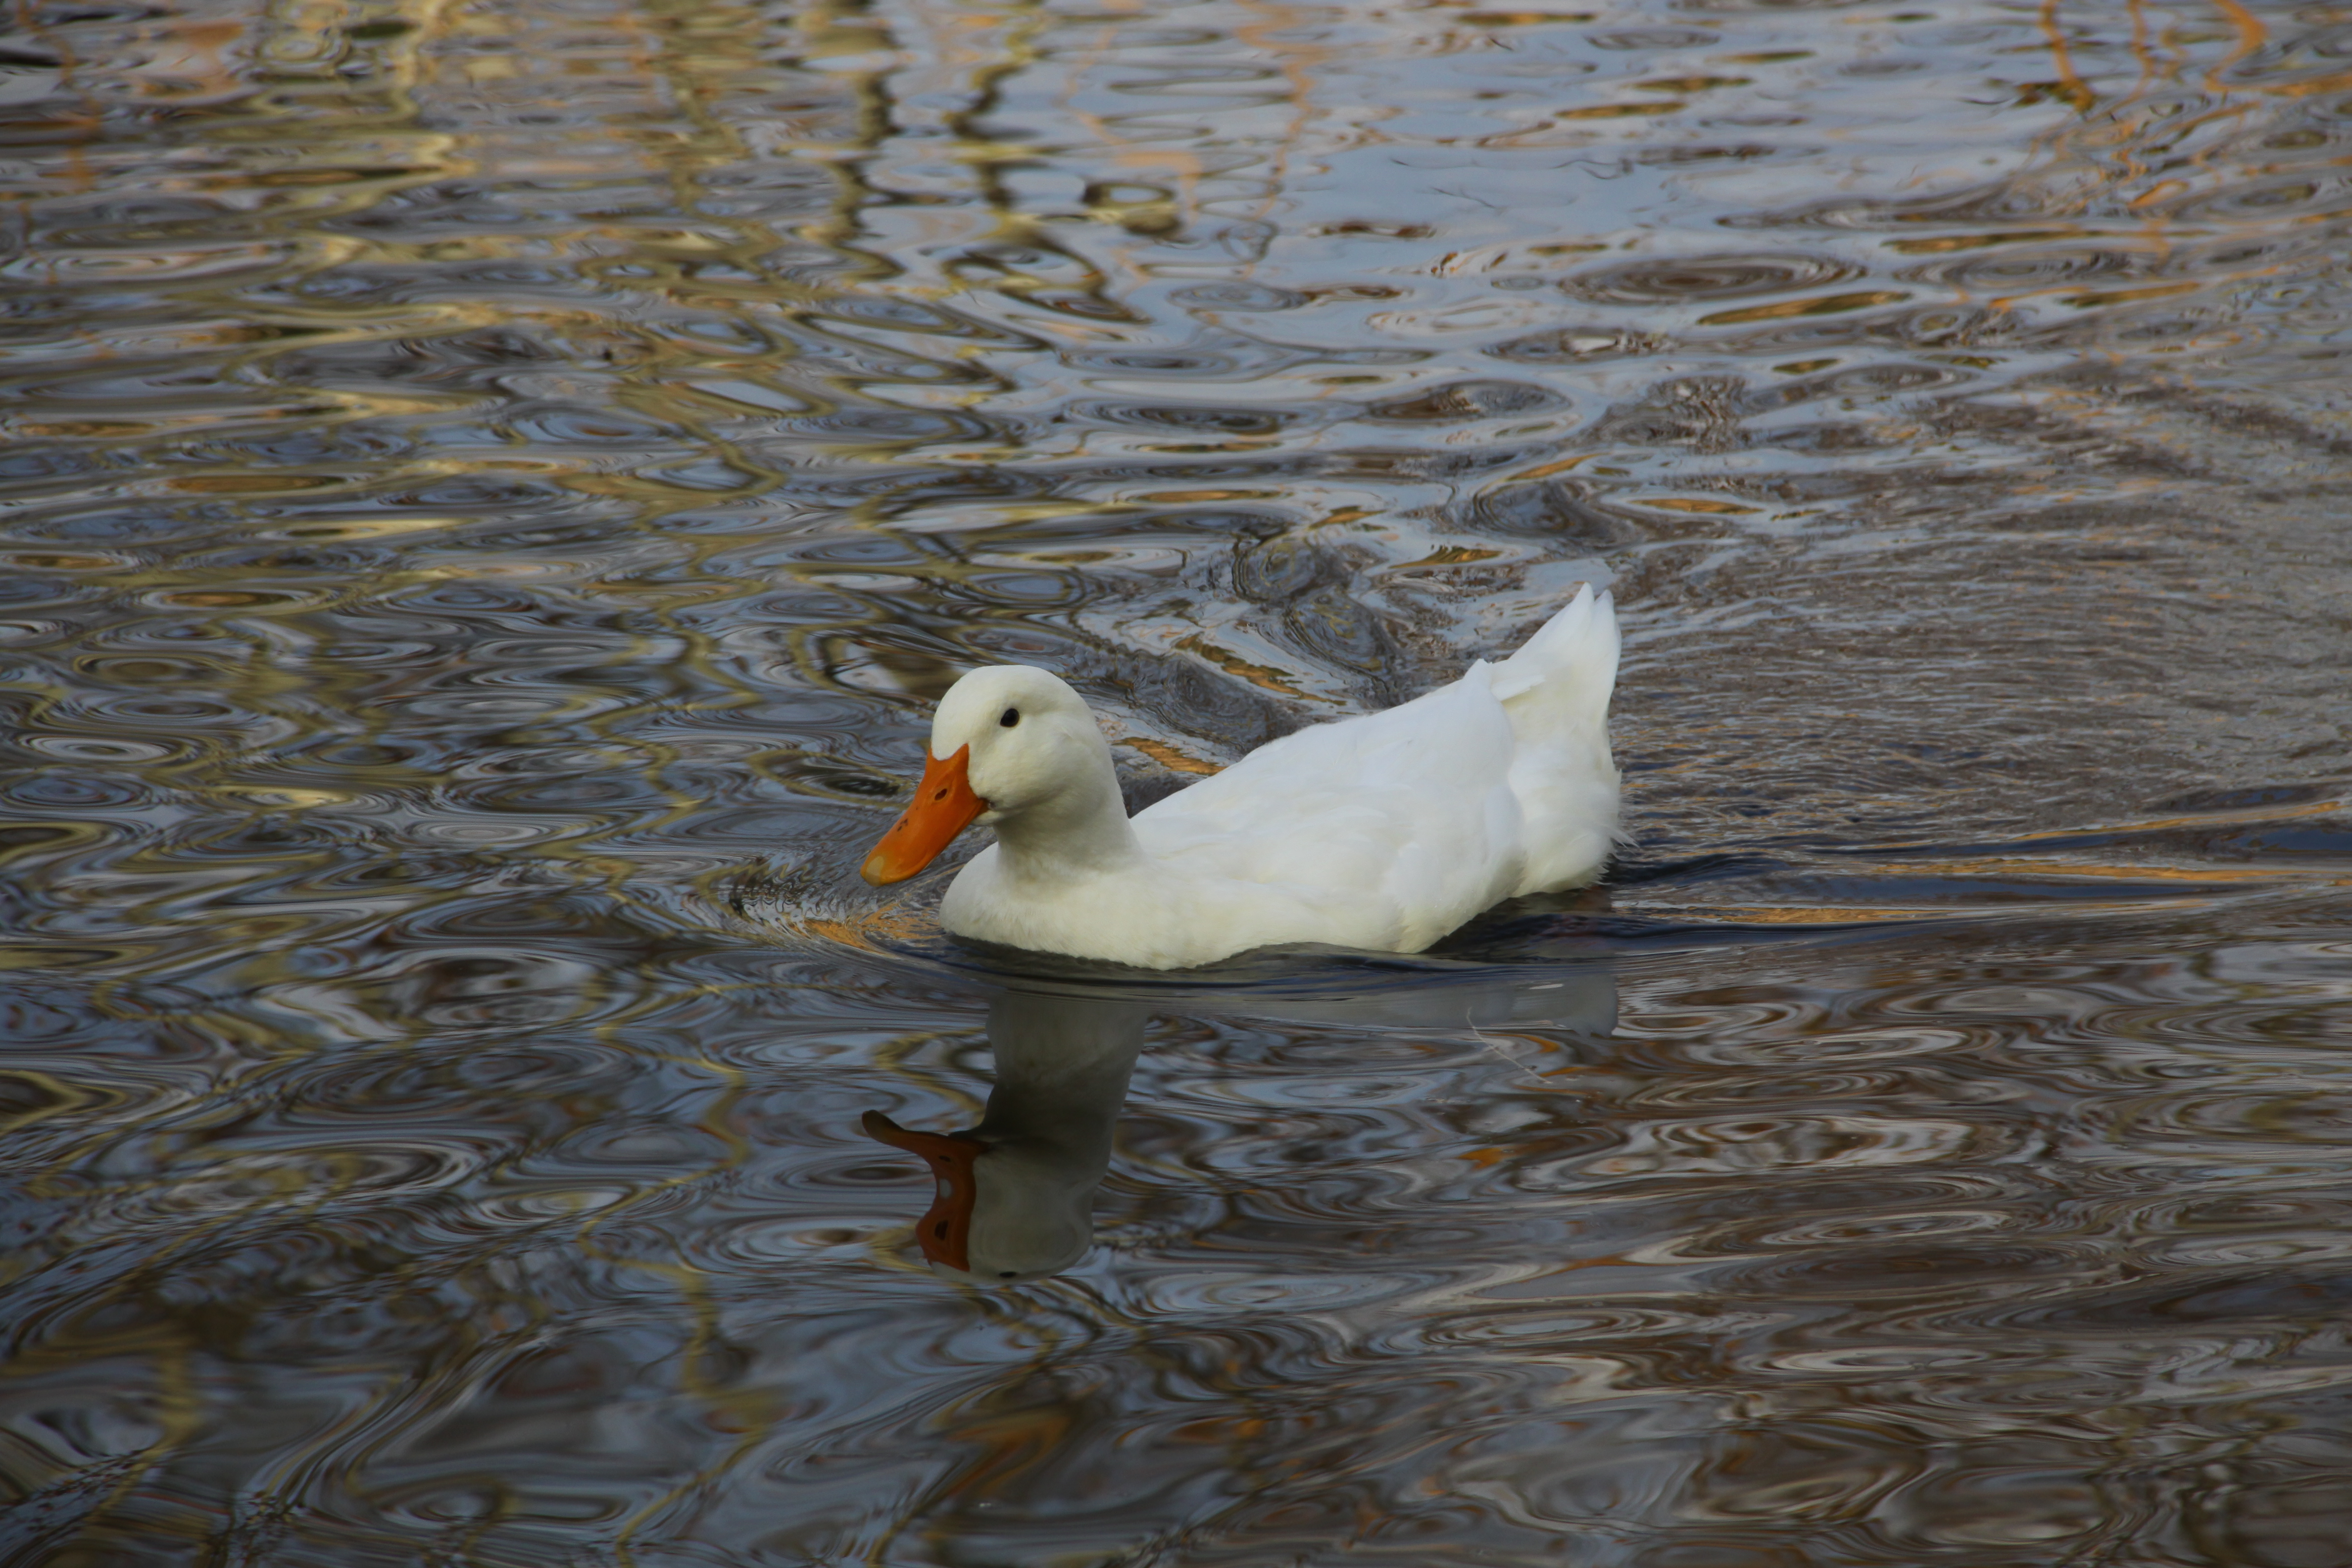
pixel 491 490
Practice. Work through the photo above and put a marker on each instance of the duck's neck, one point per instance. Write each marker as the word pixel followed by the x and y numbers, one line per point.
pixel 1078 831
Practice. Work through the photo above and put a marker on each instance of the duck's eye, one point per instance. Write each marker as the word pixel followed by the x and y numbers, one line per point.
pixel 1012 716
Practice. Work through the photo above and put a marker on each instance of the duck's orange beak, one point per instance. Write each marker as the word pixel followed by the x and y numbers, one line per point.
pixel 944 807
pixel 945 1232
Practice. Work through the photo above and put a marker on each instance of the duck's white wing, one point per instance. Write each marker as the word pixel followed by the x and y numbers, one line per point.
pixel 1404 822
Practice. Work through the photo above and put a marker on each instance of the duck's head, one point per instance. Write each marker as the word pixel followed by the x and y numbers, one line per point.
pixel 1006 740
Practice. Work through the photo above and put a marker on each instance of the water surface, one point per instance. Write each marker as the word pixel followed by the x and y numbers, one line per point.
pixel 491 490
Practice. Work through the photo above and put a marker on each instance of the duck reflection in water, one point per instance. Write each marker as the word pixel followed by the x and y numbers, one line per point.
pixel 1015 1194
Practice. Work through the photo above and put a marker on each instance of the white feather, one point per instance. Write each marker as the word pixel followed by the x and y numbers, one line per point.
pixel 1382 832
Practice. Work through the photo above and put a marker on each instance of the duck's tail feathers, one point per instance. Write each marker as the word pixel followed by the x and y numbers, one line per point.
pixel 1556 692
pixel 1563 676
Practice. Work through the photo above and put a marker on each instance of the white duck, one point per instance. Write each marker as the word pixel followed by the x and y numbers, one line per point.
pixel 1382 832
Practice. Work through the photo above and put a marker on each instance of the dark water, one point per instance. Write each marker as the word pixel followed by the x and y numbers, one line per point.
pixel 491 490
